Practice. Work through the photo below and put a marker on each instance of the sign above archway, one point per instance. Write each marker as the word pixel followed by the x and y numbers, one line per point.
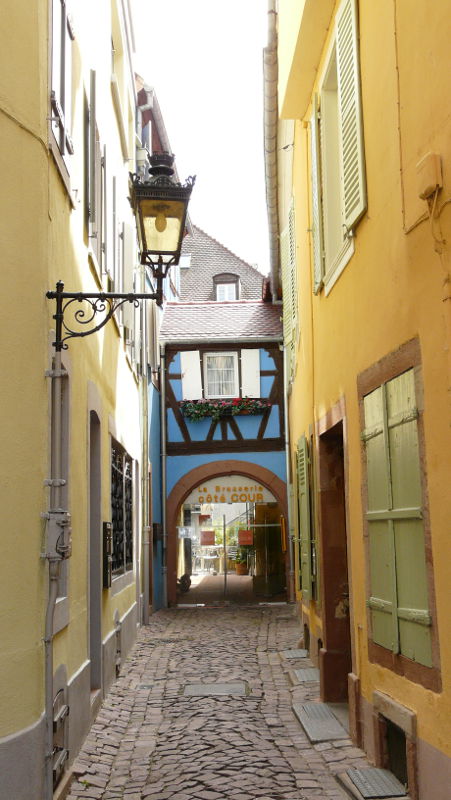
pixel 230 489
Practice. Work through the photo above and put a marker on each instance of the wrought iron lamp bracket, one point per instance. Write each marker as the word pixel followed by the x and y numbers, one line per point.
pixel 106 303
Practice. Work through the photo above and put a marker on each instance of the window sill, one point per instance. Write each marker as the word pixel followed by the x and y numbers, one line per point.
pixel 121 582
pixel 429 677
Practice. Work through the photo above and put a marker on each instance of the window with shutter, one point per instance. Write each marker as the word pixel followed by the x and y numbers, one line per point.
pixel 250 373
pixel 337 154
pixel 289 289
pixel 61 93
pixel 398 599
pixel 317 220
pixel 128 309
pixel 191 375
pixel 303 487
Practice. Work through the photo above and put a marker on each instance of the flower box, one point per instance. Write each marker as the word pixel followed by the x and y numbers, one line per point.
pixel 217 409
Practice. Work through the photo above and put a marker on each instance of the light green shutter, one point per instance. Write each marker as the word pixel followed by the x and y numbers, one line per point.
pixel 354 185
pixel 317 212
pixel 289 289
pixel 286 288
pixel 398 599
pixel 292 271
pixel 304 518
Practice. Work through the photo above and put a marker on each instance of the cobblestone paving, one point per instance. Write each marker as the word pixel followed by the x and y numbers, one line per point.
pixel 151 741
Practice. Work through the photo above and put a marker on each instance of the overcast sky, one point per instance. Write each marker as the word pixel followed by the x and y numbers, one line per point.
pixel 204 59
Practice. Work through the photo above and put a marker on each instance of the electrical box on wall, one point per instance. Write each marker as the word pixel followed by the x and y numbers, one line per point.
pixel 107 554
pixel 429 175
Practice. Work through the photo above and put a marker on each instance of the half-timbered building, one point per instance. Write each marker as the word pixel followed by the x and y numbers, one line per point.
pixel 223 397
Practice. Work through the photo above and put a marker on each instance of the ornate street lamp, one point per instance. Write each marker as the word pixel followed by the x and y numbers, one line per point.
pixel 160 205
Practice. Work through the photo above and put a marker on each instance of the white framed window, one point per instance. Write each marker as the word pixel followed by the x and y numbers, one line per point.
pixel 61 91
pixel 337 154
pixel 226 286
pixel 221 375
pixel 226 291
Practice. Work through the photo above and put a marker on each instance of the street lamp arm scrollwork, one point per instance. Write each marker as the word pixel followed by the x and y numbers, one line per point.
pixel 98 303
pixel 160 206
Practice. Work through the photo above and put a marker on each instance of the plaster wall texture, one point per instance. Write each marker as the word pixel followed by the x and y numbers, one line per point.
pixel 178 466
pixel 394 289
pixel 44 239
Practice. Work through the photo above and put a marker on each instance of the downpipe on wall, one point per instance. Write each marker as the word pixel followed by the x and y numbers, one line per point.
pixel 145 456
pixel 57 548
pixel 163 471
pixel 291 592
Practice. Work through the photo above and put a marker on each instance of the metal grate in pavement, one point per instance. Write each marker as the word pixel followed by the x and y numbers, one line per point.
pixel 318 722
pixel 307 674
pixel 373 782
pixel 209 689
pixel 295 653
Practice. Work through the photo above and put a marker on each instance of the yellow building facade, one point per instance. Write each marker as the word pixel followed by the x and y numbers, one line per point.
pixel 71 432
pixel 362 164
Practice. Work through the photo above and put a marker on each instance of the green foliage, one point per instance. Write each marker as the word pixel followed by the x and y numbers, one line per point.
pixel 198 409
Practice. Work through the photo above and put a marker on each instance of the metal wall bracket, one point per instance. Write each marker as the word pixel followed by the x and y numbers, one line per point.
pixel 70 319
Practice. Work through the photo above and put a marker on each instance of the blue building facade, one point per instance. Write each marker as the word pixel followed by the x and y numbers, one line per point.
pixel 224 404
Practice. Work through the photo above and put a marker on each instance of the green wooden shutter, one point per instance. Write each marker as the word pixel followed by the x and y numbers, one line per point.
pixel 286 289
pixel 354 185
pixel 398 599
pixel 288 267
pixel 304 518
pixel 292 271
pixel 317 212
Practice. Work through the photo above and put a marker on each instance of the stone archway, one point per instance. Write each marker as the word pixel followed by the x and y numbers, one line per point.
pixel 192 479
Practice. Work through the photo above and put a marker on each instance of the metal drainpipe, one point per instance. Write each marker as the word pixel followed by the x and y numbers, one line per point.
pixel 163 470
pixel 270 76
pixel 145 456
pixel 54 574
pixel 291 592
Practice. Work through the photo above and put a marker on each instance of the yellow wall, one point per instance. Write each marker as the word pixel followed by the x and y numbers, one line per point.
pixel 43 239
pixel 392 290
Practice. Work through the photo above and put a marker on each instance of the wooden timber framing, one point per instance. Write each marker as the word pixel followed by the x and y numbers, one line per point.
pixel 232 438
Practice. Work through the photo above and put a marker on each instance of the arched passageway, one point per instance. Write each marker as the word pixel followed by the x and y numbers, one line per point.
pixel 208 472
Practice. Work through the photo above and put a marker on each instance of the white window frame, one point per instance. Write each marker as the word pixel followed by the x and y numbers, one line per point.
pixel 236 393
pixel 227 288
pixel 61 83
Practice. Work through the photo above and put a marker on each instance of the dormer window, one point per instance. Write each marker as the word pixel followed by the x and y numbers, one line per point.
pixel 227 287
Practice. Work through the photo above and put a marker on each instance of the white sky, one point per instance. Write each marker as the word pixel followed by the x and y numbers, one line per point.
pixel 204 59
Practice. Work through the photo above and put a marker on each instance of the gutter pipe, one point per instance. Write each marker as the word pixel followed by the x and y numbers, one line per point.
pixel 270 77
pixel 246 340
pixel 57 548
pixel 163 470
pixel 145 456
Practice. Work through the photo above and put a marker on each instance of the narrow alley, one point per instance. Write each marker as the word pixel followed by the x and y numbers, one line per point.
pixel 202 710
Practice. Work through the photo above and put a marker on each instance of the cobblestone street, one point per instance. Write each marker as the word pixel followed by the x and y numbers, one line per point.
pixel 152 739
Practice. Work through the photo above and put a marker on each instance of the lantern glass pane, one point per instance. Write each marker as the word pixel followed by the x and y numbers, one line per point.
pixel 162 222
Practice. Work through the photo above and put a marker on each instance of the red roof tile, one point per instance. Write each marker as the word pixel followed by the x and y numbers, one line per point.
pixel 221 321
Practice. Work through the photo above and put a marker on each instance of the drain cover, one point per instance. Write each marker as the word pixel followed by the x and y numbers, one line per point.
pixel 208 689
pixel 307 674
pixel 373 782
pixel 295 653
pixel 319 723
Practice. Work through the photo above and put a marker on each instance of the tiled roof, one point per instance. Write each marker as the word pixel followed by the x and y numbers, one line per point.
pixel 221 321
pixel 209 258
